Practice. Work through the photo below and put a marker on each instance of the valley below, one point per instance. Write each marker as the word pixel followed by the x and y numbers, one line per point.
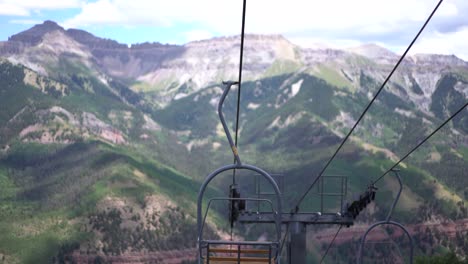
pixel 104 146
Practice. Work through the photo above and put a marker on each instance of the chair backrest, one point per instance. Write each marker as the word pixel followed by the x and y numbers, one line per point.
pixel 201 219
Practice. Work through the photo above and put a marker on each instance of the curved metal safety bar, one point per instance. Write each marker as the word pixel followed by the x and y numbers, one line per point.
pixel 385 223
pixel 223 121
pixel 209 178
pixel 234 199
pixel 388 222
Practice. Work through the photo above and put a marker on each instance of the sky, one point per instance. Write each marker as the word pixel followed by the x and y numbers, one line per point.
pixel 334 23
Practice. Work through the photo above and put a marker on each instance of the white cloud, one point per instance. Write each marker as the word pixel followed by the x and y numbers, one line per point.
pixel 156 13
pixel 448 9
pixel 25 21
pixel 336 22
pixel 102 12
pixel 24 7
pixel 453 43
pixel 194 35
pixel 266 16
pixel 9 9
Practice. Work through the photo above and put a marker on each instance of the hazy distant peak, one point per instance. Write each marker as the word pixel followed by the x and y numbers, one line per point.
pixel 50 24
pixel 92 41
pixel 236 38
pixel 45 27
pixel 276 37
pixel 424 58
pixel 35 34
pixel 150 45
pixel 317 46
pixel 372 51
pixel 81 34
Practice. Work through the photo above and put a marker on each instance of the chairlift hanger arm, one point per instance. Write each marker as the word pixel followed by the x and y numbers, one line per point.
pixel 296 208
pixel 241 55
pixel 388 221
pixel 223 121
pixel 355 211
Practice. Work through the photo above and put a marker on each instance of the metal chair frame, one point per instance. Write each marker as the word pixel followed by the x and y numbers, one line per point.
pixel 202 243
pixel 388 222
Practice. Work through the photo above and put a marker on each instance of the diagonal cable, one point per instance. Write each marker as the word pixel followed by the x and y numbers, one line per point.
pixel 330 245
pixel 284 238
pixel 296 208
pixel 422 142
pixel 239 92
pixel 239 84
pixel 240 69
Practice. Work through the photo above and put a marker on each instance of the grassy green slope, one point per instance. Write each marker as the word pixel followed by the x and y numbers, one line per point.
pixel 55 197
pixel 50 193
pixel 300 148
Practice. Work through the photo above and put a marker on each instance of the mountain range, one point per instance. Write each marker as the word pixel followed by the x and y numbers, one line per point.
pixel 103 145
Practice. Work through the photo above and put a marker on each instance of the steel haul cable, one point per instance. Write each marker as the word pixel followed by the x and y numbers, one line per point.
pixel 330 245
pixel 296 208
pixel 240 82
pixel 422 142
pixel 239 89
pixel 404 157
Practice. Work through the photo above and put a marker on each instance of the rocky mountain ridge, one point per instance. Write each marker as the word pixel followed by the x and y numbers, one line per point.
pixel 162 74
pixel 97 129
pixel 207 62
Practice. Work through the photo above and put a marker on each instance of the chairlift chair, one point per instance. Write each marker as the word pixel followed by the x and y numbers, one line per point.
pixel 227 251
